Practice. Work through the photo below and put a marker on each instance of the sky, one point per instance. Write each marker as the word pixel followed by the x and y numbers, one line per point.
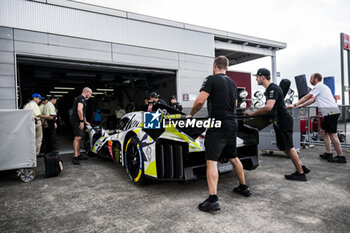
pixel 311 29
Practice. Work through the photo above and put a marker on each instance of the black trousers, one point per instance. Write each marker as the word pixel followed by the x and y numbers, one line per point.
pixel 50 136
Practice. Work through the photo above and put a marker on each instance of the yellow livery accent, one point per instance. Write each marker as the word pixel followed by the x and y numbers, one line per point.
pixel 138 176
pixel 127 144
pixel 173 116
pixel 137 130
pixel 152 169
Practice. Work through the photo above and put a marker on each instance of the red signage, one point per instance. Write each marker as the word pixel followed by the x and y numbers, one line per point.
pixel 346 41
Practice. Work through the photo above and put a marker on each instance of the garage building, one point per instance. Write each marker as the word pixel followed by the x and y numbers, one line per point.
pixel 60 46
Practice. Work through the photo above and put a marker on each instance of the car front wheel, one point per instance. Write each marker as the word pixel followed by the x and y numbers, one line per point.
pixel 134 161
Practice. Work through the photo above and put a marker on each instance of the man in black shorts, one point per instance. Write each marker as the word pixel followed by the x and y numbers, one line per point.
pixel 282 122
pixel 221 92
pixel 330 111
pixel 78 120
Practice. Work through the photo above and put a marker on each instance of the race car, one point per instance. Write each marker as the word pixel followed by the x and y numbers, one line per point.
pixel 94 140
pixel 172 151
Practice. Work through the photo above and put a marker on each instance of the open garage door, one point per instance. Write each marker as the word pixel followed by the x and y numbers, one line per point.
pixel 111 85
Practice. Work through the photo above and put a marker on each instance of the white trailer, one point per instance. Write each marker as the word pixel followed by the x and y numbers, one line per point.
pixel 17 143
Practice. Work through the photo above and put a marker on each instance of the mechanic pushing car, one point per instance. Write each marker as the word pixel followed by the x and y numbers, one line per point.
pixel 220 143
pixel 282 122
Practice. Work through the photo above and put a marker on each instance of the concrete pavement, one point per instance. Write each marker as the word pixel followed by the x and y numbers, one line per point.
pixel 98 196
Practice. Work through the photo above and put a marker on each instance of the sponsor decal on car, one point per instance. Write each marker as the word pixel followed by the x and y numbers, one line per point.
pixel 152 120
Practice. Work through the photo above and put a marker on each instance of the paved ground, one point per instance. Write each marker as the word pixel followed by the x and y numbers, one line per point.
pixel 98 197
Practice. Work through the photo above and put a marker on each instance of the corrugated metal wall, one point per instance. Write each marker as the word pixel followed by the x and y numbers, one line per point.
pixel 63 33
pixel 7 70
pixel 191 69
pixel 42 17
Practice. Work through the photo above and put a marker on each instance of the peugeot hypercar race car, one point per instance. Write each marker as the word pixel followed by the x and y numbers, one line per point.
pixel 164 145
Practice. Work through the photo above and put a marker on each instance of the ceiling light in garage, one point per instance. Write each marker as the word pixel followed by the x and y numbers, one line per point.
pixel 59 92
pixel 97 93
pixel 55 95
pixel 81 74
pixel 64 88
pixel 101 89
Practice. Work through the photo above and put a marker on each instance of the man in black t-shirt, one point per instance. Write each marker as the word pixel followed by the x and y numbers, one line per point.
pixel 78 120
pixel 174 104
pixel 282 122
pixel 154 97
pixel 220 143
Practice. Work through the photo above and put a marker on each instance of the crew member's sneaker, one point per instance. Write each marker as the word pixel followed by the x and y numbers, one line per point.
pixel 207 206
pixel 243 190
pixel 76 161
pixel 82 157
pixel 337 159
pixel 306 169
pixel 296 176
pixel 326 156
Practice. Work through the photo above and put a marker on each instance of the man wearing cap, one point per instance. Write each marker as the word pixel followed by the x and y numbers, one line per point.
pixel 154 97
pixel 78 120
pixel 41 106
pixel 282 122
pixel 330 112
pixel 221 93
pixel 50 125
pixel 33 105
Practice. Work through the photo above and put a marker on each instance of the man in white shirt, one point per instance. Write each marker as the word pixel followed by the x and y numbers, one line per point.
pixel 330 111
pixel 33 105
pixel 42 105
pixel 119 113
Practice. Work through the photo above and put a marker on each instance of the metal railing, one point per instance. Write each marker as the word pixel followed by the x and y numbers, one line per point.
pixel 311 121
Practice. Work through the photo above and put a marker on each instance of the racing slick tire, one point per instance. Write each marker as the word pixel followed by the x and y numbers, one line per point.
pixel 134 160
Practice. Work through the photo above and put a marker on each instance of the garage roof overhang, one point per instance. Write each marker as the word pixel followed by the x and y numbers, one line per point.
pixel 239 48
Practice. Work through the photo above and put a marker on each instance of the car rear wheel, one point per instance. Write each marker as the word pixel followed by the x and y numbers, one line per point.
pixel 134 161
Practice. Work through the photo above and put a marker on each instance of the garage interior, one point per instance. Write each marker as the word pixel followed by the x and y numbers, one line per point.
pixel 111 85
